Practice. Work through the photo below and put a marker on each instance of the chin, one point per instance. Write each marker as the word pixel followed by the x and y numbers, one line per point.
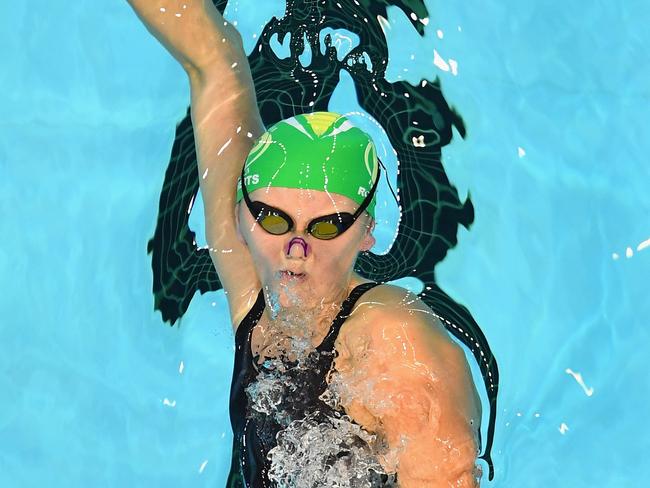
pixel 288 292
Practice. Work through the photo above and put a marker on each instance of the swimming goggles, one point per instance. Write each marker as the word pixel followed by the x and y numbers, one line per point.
pixel 276 222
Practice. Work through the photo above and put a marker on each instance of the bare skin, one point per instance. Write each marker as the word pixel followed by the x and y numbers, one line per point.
pixel 416 380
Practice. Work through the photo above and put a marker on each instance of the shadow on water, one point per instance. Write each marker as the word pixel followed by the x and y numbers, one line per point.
pixel 418 125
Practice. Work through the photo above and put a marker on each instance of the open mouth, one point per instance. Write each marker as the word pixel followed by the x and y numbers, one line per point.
pixel 291 275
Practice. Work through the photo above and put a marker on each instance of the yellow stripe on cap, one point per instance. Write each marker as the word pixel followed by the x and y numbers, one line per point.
pixel 320 122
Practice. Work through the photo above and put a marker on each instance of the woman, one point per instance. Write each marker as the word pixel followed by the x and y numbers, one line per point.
pixel 356 379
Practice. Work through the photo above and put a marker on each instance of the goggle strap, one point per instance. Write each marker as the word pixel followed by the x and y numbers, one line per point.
pixel 390 187
pixel 368 199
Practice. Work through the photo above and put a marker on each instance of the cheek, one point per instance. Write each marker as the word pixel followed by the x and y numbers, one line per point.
pixel 262 246
pixel 340 255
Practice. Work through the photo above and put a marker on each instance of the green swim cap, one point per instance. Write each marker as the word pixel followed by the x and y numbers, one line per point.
pixel 318 151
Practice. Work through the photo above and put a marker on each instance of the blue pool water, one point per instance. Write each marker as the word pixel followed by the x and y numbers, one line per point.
pixel 97 391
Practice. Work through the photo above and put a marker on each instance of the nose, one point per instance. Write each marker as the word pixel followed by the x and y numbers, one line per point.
pixel 297 248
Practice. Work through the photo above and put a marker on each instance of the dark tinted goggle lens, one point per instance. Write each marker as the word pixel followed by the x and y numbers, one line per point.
pixel 270 221
pixel 274 224
pixel 331 227
pixel 324 230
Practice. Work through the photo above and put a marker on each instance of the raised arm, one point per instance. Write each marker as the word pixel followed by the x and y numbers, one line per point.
pixel 226 121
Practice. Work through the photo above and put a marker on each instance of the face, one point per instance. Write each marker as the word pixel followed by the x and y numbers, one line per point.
pixel 324 266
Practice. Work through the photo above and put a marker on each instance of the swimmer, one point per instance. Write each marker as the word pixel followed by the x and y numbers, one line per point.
pixel 335 375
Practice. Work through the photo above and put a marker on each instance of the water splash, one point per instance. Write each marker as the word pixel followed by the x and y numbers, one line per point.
pixel 294 326
pixel 327 451
pixel 311 444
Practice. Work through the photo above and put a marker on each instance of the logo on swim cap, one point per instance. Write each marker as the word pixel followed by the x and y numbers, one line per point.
pixel 370 158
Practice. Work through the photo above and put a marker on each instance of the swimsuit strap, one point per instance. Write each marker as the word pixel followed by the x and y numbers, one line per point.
pixel 344 313
pixel 246 326
pixel 245 329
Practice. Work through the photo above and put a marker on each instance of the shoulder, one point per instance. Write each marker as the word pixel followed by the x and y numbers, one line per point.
pixel 397 308
pixel 396 328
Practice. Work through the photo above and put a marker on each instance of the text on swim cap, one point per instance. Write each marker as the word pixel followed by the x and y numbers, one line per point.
pixel 252 179
pixel 362 191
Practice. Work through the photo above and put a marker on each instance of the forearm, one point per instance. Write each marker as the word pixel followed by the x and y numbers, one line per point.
pixel 193 31
pixel 222 91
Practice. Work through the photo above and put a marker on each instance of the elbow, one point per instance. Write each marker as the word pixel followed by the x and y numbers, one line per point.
pixel 225 62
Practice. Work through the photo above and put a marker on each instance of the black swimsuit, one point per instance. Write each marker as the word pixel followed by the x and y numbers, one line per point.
pixel 254 433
